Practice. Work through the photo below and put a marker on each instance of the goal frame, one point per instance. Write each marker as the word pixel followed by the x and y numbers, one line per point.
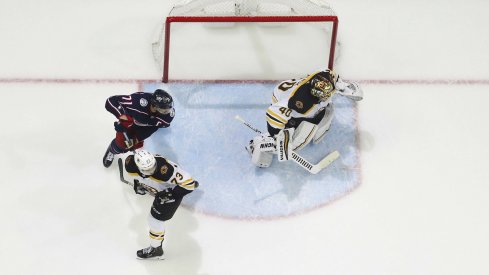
pixel 244 19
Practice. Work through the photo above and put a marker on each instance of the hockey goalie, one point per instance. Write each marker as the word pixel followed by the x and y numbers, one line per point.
pixel 301 111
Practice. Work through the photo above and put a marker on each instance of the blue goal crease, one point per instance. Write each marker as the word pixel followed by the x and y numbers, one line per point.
pixel 208 142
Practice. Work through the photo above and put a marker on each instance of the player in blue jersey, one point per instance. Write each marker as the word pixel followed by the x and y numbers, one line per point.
pixel 138 115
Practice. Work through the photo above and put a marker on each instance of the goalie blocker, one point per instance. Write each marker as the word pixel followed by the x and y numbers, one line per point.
pixel 263 147
pixel 312 168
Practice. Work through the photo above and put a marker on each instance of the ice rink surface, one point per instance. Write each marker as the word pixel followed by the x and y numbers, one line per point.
pixel 415 202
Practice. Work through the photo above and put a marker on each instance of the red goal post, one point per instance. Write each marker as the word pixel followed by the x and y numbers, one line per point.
pixel 314 16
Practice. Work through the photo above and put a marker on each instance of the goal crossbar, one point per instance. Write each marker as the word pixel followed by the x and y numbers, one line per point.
pixel 237 19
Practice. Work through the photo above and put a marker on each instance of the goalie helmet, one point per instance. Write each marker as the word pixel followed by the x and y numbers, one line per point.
pixel 145 162
pixel 162 101
pixel 323 84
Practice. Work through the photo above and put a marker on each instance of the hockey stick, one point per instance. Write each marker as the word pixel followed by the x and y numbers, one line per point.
pixel 315 168
pixel 312 168
pixel 237 117
pixel 128 141
pixel 152 191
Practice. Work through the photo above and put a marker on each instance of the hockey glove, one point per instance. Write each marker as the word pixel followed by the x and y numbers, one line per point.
pixel 125 123
pixel 118 127
pixel 139 188
pixel 349 89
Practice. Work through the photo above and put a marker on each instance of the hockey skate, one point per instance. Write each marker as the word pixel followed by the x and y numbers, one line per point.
pixel 153 253
pixel 108 158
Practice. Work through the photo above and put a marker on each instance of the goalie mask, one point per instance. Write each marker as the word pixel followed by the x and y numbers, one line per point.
pixel 322 85
pixel 145 162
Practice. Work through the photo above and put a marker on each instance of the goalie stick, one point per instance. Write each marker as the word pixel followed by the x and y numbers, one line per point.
pixel 152 191
pixel 312 168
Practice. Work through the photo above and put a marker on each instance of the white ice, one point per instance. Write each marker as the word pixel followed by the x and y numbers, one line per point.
pixel 421 206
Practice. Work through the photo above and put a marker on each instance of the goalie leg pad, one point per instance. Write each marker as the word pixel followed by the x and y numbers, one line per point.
pixel 284 149
pixel 303 135
pixel 324 124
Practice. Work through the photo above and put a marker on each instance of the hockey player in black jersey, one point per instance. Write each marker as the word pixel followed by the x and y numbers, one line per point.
pixel 301 111
pixel 168 183
pixel 138 115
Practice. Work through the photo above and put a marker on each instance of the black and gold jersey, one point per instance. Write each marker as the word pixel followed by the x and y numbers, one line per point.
pixel 166 172
pixel 293 99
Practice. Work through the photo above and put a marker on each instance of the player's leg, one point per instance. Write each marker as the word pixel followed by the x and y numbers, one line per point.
pixel 156 237
pixel 122 143
pixel 145 132
pixel 163 209
pixel 116 146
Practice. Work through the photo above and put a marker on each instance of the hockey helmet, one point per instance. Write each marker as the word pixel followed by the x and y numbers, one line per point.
pixel 322 84
pixel 162 101
pixel 145 162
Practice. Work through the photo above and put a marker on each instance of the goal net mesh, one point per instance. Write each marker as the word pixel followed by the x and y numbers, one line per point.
pixel 246 39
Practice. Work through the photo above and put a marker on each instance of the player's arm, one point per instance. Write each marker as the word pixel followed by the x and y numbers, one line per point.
pixel 277 117
pixel 171 173
pixel 164 121
pixel 133 172
pixel 184 183
pixel 279 113
pixel 115 104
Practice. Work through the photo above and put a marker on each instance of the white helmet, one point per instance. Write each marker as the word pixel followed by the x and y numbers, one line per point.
pixel 145 161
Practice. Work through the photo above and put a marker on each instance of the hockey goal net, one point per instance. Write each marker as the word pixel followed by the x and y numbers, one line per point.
pixel 246 39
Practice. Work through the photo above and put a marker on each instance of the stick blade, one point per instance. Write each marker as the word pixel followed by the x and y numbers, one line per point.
pixel 121 171
pixel 325 162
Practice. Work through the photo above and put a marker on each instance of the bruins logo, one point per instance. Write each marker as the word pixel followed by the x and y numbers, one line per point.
pixel 164 169
pixel 299 104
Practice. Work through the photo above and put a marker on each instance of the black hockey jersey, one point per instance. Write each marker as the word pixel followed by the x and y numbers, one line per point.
pixel 292 100
pixel 137 105
pixel 166 172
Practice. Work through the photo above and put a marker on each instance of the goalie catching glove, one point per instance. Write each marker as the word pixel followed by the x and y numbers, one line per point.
pixel 349 89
